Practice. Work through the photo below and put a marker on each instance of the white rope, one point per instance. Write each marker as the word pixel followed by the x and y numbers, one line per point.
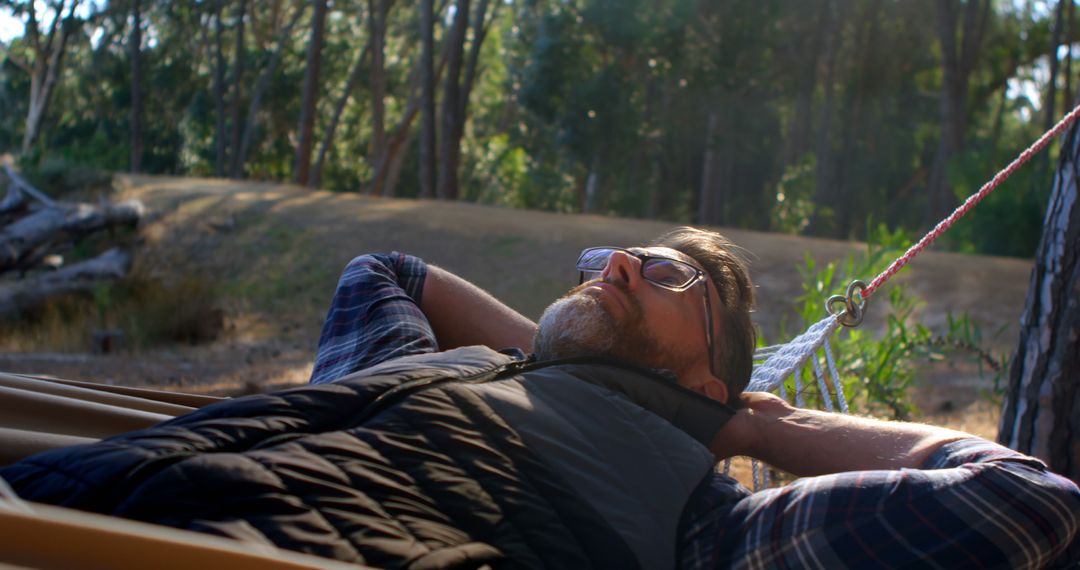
pixel 800 392
pixel 835 376
pixel 821 385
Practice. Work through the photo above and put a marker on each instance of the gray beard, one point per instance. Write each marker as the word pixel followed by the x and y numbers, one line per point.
pixel 575 325
pixel 580 325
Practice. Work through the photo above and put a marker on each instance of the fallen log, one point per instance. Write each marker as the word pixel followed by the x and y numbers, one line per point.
pixel 18 181
pixel 13 200
pixel 21 296
pixel 24 240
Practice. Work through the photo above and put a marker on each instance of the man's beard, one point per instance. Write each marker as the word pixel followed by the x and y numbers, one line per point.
pixel 579 324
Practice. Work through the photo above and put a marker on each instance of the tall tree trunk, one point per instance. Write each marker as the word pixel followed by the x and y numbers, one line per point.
pixel 1069 27
pixel 454 127
pixel 48 62
pixel 427 99
pixel 310 98
pixel 847 199
pixel 588 204
pixel 377 10
pixel 959 54
pixel 1050 103
pixel 263 83
pixel 446 187
pixel 708 198
pixel 797 141
pixel 135 46
pixel 1041 413
pixel 236 168
pixel 823 221
pixel 219 93
pixel 384 177
pixel 331 128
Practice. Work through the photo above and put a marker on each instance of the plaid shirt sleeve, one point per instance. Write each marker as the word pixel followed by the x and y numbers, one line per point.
pixel 974 504
pixel 374 316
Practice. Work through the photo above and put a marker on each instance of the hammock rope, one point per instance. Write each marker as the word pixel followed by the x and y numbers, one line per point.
pixel 776 363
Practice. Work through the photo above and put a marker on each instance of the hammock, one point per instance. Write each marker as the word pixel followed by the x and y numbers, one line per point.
pixel 775 364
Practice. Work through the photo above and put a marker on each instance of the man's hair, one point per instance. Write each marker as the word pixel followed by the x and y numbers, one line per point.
pixel 727 268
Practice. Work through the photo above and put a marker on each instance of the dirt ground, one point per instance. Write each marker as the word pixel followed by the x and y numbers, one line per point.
pixel 274 251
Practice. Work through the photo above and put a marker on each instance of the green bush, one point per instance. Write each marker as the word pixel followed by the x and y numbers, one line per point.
pixel 60 177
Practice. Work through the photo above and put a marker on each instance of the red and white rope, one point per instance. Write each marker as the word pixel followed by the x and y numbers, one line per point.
pixel 975 198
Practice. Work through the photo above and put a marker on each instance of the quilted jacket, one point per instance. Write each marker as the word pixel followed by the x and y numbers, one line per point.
pixel 457 459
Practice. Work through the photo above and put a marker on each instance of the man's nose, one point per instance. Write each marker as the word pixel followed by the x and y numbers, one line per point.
pixel 622 266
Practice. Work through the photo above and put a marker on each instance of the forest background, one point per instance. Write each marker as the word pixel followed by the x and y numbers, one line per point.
pixel 825 118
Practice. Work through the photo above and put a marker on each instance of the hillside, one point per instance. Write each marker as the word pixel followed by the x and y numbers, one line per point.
pixel 272 254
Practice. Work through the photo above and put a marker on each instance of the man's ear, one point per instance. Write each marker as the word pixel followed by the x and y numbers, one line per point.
pixel 714 389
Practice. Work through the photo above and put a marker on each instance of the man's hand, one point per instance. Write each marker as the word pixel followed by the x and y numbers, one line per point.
pixel 809 442
pixel 462 314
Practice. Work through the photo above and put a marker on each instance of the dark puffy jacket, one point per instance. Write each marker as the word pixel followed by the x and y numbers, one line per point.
pixel 454 459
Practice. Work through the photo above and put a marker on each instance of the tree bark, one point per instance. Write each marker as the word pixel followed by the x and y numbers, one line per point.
pixel 446 187
pixel 454 126
pixel 1041 411
pixel 310 99
pixel 708 198
pixel 236 168
pixel 377 10
pixel 219 93
pixel 136 86
pixel 427 99
pixel 25 295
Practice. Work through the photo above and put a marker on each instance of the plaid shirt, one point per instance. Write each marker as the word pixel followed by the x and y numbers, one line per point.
pixel 973 504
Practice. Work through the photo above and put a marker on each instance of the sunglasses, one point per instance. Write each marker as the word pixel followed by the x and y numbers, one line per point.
pixel 664 272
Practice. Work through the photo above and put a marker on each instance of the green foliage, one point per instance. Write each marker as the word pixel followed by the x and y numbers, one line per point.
pixel 58 177
pixel 676 109
pixel 877 371
pixel 795 197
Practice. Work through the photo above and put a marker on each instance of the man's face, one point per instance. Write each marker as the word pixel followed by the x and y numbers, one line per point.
pixel 620 314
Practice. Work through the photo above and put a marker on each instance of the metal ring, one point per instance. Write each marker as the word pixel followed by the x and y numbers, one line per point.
pixel 851 315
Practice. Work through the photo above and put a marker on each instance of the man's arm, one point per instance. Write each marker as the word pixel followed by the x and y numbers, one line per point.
pixel 809 442
pixel 899 494
pixel 463 314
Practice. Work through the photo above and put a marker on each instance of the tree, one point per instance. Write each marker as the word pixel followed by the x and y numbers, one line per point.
pixel 377 11
pixel 261 85
pixel 219 93
pixel 427 99
pixel 960 48
pixel 47 60
pixel 236 167
pixel 135 47
pixel 310 97
pixel 1041 413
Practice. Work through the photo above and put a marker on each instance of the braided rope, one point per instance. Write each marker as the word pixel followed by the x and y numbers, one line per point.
pixel 968 204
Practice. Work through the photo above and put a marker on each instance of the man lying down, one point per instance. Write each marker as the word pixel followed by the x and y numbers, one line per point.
pixel 424 443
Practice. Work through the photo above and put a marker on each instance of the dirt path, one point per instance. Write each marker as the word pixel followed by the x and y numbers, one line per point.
pixel 275 251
